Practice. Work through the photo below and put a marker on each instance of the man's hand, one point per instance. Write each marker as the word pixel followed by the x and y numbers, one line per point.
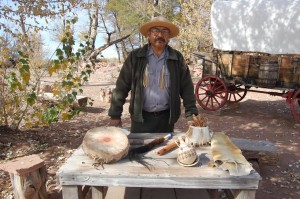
pixel 115 122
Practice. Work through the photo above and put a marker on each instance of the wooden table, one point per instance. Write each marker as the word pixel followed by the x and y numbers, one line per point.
pixel 165 172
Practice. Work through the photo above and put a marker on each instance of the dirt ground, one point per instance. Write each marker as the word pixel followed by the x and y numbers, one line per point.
pixel 258 116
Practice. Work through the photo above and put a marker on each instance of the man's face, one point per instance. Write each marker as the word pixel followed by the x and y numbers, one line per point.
pixel 159 36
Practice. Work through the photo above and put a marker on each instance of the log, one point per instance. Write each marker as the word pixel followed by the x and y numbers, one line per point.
pixel 28 177
pixel 81 101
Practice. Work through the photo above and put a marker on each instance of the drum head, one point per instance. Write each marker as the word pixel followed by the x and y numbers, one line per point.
pixel 106 144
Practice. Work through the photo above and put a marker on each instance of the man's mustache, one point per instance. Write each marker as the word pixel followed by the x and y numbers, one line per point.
pixel 160 39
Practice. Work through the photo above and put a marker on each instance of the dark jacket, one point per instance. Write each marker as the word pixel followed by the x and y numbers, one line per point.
pixel 130 79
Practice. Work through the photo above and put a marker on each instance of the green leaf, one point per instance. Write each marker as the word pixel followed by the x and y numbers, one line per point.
pixel 74 20
pixel 51 114
pixel 64 40
pixel 67 83
pixel 26 67
pixel 74 93
pixel 69 76
pixel 31 98
pixel 23 61
pixel 89 72
pixel 59 52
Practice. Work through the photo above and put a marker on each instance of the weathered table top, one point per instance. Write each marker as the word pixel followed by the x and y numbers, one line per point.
pixel 165 172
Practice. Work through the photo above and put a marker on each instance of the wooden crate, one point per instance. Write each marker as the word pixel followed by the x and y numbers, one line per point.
pixel 226 60
pixel 289 72
pixel 239 63
pixel 254 63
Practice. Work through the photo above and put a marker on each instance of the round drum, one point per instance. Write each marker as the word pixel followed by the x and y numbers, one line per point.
pixel 106 144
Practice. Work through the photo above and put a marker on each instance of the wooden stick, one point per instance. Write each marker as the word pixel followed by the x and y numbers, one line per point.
pixel 168 147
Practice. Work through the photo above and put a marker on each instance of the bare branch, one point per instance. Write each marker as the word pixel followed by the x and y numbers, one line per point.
pixel 97 51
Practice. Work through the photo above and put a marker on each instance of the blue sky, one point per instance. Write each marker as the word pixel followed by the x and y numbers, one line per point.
pixel 81 24
pixel 52 45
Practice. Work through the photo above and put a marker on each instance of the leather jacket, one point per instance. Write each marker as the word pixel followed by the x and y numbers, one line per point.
pixel 131 78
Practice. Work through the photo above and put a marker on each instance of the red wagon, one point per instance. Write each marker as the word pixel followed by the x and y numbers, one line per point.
pixel 267 57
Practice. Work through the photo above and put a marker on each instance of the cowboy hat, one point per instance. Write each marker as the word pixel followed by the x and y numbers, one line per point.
pixel 160 21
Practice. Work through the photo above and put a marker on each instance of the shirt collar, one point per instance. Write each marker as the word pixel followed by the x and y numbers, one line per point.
pixel 164 55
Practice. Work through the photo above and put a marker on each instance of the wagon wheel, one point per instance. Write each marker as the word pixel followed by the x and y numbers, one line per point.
pixel 211 93
pixel 295 106
pixel 236 92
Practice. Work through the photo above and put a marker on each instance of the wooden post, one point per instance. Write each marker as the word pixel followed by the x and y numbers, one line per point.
pixel 28 177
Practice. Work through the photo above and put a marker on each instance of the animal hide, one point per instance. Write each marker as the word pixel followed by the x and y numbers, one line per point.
pixel 229 157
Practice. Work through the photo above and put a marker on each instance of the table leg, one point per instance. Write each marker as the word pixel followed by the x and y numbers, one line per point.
pixel 241 194
pixel 72 192
pixel 99 192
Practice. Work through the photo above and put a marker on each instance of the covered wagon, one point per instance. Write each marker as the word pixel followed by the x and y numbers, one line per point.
pixel 256 44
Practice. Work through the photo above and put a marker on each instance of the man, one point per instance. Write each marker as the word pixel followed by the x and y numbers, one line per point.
pixel 157 77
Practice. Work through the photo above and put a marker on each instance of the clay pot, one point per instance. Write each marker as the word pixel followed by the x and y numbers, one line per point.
pixel 187 155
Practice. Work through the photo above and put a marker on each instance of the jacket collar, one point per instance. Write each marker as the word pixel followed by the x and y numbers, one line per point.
pixel 142 52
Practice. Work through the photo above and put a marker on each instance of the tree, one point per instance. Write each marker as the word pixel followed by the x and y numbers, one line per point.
pixel 191 16
pixel 193 19
pixel 24 105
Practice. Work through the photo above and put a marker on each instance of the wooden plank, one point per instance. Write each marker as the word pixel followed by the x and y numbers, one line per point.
pixel 99 192
pixel 240 194
pixel 246 72
pixel 213 193
pixel 28 176
pixel 157 193
pixel 254 145
pixel 123 193
pixel 23 165
pixel 263 151
pixel 72 192
pixel 145 135
pixel 30 185
pixel 191 193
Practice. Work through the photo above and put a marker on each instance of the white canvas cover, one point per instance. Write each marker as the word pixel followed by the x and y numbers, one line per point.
pixel 269 26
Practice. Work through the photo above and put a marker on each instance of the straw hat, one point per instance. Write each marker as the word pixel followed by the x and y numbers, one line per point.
pixel 160 21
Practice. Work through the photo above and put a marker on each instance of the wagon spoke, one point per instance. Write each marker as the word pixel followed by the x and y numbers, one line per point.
pixel 217 101
pixel 207 101
pixel 214 90
pixel 204 98
pixel 236 93
pixel 219 92
pixel 230 96
pixel 219 87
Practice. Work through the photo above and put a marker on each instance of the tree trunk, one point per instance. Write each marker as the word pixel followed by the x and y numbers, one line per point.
pixel 93 15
